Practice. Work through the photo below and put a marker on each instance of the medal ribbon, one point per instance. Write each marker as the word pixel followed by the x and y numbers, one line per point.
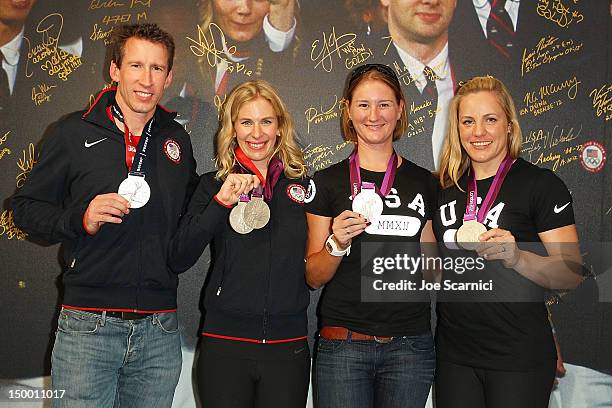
pixel 246 166
pixel 355 175
pixel 472 194
pixel 132 152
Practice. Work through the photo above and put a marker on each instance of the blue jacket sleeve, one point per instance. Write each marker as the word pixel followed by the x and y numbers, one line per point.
pixel 205 218
pixel 39 207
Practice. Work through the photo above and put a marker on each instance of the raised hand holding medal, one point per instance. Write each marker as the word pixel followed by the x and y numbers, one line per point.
pixel 367 198
pixel 468 235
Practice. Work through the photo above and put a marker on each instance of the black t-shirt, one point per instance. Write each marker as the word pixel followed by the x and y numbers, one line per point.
pixel 411 200
pixel 505 336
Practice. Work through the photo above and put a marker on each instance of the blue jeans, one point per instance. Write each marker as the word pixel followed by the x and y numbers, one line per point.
pixel 104 362
pixel 367 374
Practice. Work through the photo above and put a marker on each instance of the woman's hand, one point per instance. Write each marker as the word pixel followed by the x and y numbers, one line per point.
pixel 499 244
pixel 347 225
pixel 234 185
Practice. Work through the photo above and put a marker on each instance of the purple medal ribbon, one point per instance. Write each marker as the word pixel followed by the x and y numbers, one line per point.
pixel 355 176
pixel 472 193
pixel 275 169
pixel 257 192
pixel 244 198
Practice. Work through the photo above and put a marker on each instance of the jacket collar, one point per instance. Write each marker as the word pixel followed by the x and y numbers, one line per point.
pixel 97 112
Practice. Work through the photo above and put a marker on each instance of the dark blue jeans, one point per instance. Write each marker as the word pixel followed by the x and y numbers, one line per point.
pixel 367 374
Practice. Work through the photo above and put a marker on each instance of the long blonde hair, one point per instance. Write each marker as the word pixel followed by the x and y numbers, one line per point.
pixel 286 147
pixel 455 160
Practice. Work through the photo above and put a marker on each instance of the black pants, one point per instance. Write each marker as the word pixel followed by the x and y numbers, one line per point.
pixel 459 386
pixel 237 374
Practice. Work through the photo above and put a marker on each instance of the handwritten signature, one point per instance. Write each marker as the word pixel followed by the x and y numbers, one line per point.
pixel 99 34
pixel 26 164
pixel 51 58
pixel 602 101
pixel 548 50
pixel 322 50
pixel 206 46
pixel 313 115
pixel 559 13
pixel 5 150
pixel 41 95
pixel 8 227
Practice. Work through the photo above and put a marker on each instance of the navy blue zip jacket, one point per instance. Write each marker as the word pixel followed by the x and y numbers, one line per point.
pixel 123 266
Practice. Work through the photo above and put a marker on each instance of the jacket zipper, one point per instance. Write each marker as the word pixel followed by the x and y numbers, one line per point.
pixel 267 287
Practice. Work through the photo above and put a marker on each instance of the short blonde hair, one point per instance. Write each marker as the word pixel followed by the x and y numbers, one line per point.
pixel 455 160
pixel 286 146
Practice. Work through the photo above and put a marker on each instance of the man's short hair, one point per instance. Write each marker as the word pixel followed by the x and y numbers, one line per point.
pixel 148 31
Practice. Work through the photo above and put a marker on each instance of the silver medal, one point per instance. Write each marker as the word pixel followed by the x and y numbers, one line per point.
pixel 136 190
pixel 236 219
pixel 256 213
pixel 369 204
pixel 467 235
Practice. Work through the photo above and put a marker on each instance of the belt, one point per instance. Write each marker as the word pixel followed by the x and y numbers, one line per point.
pixel 122 315
pixel 341 333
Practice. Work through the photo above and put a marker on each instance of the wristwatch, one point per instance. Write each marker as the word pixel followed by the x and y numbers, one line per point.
pixel 332 247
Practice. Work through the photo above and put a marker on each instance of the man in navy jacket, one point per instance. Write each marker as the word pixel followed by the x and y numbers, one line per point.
pixel 111 184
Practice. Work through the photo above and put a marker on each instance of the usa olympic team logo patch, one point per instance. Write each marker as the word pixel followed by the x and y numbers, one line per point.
pixel 593 157
pixel 297 193
pixel 172 150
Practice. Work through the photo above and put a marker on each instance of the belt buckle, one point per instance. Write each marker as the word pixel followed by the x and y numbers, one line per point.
pixel 383 340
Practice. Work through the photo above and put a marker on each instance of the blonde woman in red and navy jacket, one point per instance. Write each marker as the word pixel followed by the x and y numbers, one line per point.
pixel 253 350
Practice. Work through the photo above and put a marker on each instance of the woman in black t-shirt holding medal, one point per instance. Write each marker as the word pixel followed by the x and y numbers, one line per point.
pixel 499 353
pixel 370 354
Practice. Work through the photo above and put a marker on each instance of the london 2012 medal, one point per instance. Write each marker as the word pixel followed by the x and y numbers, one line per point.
pixel 236 217
pixel 136 190
pixel 256 213
pixel 368 203
pixel 467 235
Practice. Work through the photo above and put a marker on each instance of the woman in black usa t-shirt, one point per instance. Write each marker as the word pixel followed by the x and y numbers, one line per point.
pixel 373 350
pixel 495 347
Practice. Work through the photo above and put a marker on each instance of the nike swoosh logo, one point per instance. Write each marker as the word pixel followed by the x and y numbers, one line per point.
pixel 557 210
pixel 87 144
pixel 298 351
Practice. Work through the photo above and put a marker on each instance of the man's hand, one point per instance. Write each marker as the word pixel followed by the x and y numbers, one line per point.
pixel 281 14
pixel 104 208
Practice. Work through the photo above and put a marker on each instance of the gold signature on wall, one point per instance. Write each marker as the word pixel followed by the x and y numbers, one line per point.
pixel 553 148
pixel 559 13
pixel 5 150
pixel 26 164
pixel 205 48
pixel 102 4
pixel 548 50
pixel 8 227
pixel 47 53
pixel 316 116
pixel 602 101
pixel 538 102
pixel 322 50
pixel 321 156
pixel 40 94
